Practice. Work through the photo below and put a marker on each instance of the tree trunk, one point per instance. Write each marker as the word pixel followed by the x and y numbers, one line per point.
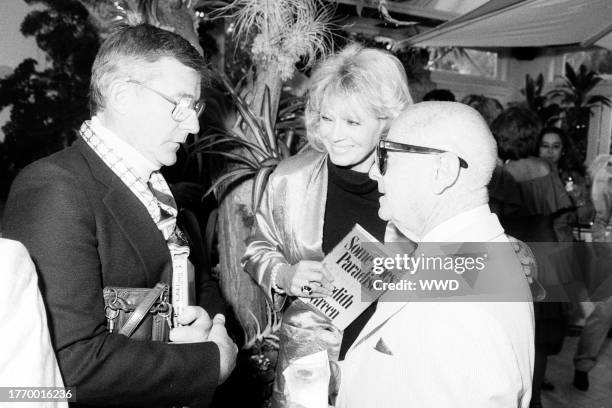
pixel 239 289
pixel 236 220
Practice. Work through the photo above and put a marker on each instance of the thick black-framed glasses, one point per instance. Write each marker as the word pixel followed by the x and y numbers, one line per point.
pixel 385 146
pixel 183 107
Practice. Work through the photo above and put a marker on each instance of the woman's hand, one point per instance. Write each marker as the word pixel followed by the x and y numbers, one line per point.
pixel 305 279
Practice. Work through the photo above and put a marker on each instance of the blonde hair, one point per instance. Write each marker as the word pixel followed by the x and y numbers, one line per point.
pixel 374 78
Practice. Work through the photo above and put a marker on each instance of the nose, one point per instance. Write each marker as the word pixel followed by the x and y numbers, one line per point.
pixel 191 124
pixel 336 134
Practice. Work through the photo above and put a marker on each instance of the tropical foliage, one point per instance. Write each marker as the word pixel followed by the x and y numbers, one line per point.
pixel 48 104
pixel 569 104
pixel 259 158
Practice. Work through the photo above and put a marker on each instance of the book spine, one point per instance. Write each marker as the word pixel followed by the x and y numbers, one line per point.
pixel 180 281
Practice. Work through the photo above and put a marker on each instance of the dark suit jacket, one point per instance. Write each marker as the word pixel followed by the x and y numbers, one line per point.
pixel 86 230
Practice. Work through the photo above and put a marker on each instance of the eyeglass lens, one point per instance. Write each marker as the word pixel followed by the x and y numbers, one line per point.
pixel 184 108
pixel 381 159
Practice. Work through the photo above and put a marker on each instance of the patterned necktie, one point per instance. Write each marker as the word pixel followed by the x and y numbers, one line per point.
pixel 165 201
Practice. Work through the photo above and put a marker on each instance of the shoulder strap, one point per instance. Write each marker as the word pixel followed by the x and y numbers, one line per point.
pixel 142 309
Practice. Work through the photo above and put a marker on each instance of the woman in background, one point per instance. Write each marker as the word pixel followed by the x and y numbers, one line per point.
pixel 314 199
pixel 540 195
pixel 555 147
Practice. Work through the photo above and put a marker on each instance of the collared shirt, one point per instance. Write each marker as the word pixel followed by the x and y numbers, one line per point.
pixel 141 165
pixel 477 224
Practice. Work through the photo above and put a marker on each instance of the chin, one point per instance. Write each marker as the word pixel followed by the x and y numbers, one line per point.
pixel 168 160
pixel 341 161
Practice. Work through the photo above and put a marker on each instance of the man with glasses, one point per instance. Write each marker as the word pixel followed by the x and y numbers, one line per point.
pixel 454 349
pixel 99 214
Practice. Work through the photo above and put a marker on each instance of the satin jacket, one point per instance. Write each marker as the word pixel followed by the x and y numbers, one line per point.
pixel 289 219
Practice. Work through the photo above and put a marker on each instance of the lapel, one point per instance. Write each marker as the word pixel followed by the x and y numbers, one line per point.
pixel 462 230
pixel 384 312
pixel 131 216
pixel 306 224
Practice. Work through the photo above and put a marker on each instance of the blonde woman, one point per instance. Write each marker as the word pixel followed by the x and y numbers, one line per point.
pixel 313 199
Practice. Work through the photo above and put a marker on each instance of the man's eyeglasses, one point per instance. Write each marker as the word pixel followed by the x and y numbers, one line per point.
pixel 385 146
pixel 183 107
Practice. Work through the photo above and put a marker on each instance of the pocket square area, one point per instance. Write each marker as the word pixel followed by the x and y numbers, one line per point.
pixel 382 347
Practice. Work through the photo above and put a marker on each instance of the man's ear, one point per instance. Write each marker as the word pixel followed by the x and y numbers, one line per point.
pixel 446 172
pixel 383 129
pixel 119 96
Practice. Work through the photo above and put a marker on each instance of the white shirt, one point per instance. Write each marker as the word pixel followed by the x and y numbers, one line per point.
pixel 477 224
pixel 26 355
pixel 444 354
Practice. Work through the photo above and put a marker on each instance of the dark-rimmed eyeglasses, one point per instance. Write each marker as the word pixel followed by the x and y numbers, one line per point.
pixel 385 146
pixel 184 106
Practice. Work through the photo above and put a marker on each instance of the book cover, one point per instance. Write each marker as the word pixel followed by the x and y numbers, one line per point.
pixel 351 262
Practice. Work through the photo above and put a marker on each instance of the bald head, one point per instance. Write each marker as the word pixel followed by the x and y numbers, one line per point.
pixel 453 127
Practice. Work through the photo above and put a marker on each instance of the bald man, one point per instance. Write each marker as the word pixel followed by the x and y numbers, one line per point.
pixel 433 170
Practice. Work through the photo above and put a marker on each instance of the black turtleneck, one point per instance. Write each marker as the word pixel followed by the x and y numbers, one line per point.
pixel 352 198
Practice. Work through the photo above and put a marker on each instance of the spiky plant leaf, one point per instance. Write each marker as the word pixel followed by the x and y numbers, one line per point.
pixel 595 99
pixel 267 121
pixel 234 174
pixel 570 74
pixel 235 157
pixel 259 185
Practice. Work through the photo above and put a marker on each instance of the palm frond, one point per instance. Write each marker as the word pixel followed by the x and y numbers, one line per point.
pixel 570 74
pixel 266 113
pixel 235 157
pixel 246 114
pixel 595 99
pixel 231 137
pixel 234 174
pixel 259 185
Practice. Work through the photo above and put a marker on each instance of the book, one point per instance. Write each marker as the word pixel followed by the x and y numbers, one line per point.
pixel 351 263
pixel 183 276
